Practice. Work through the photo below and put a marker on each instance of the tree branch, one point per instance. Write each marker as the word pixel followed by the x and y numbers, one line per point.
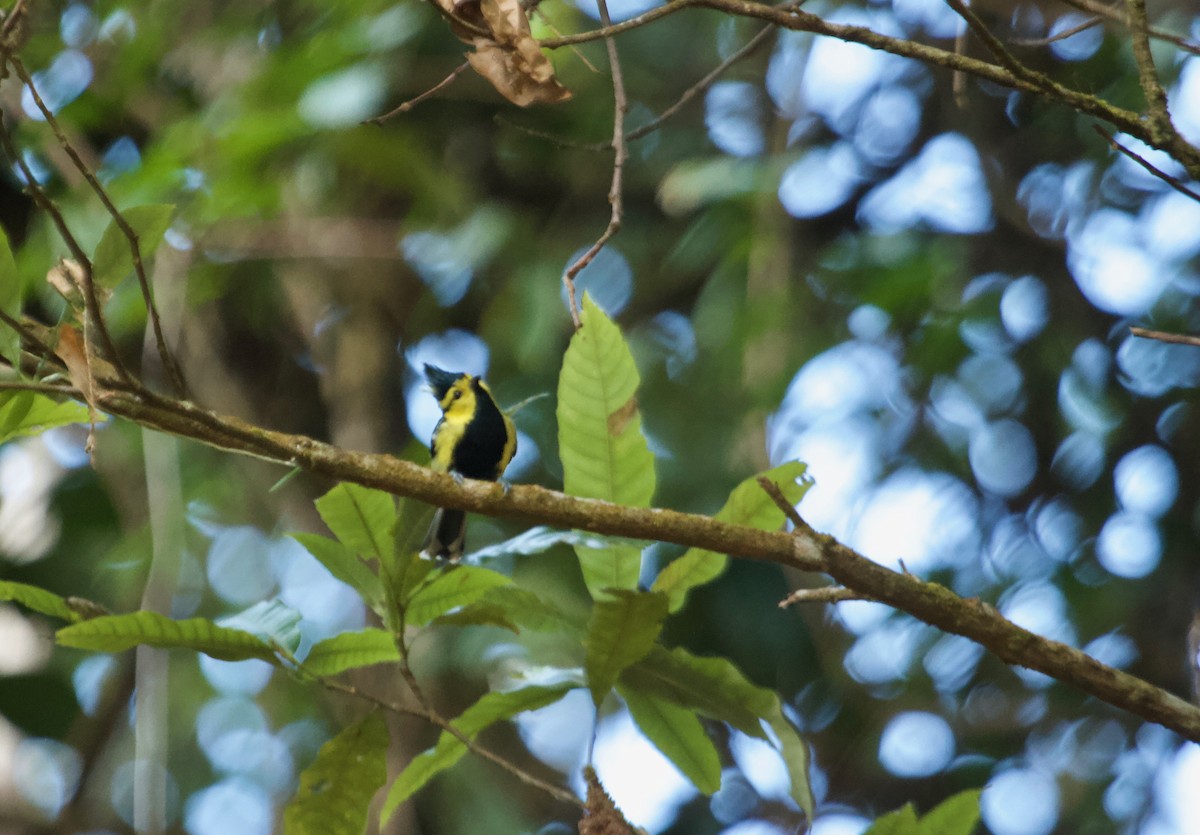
pixel 1156 97
pixel 1173 182
pixel 932 603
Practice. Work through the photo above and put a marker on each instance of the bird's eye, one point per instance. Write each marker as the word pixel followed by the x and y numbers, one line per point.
pixel 457 394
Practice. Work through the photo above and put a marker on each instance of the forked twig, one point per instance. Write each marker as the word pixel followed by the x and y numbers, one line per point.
pixel 620 154
pixel 413 102
pixel 169 364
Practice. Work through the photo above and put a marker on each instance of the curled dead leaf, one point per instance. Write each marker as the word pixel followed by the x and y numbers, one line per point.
pixel 67 278
pixel 510 57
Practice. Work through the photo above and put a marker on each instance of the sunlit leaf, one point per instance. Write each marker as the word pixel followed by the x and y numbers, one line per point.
pixel 956 815
pixel 795 756
pixel 10 302
pixel 39 600
pixel 114 258
pixel 455 586
pixel 541 538
pixel 114 633
pixel 345 565
pixel 604 454
pixel 622 630
pixel 678 734
pixel 28 413
pixel 350 650
pixel 272 621
pixel 491 708
pixel 747 505
pixel 903 821
pixel 362 519
pixel 336 789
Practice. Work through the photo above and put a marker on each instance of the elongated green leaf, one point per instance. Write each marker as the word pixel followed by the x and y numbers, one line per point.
pixel 27 413
pixel 336 789
pixel 346 566
pixel 795 756
pixel 10 302
pixel 622 630
pixel 114 258
pixel 459 585
pixel 956 815
pixel 748 505
pixel 718 689
pixel 114 633
pixel 350 650
pixel 40 600
pixel 604 453
pixel 679 735
pixel 272 621
pixel 902 821
pixel 491 708
pixel 362 519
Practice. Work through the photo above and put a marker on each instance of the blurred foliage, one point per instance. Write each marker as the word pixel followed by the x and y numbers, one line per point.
pixel 829 256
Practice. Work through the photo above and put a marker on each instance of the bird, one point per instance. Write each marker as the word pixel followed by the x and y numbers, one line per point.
pixel 473 439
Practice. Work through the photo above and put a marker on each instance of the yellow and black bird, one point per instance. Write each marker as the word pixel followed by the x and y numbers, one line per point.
pixel 474 439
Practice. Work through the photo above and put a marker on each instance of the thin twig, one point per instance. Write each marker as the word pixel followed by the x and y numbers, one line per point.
pixel 1165 336
pixel 994 46
pixel 173 372
pixel 1060 36
pixel 620 154
pixel 413 102
pixel 93 318
pixel 958 81
pixel 534 10
pixel 1152 89
pixel 1173 182
pixel 825 594
pixel 1117 16
pixel 654 124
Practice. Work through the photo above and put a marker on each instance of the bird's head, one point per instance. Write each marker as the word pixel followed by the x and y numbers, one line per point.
pixel 450 387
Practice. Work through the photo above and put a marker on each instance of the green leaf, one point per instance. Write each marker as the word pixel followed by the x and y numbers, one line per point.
pixel 956 815
pixel 276 624
pixel 455 586
pixel 604 454
pixel 39 600
pixel 491 708
pixel 27 413
pixel 712 686
pixel 529 611
pixel 795 756
pixel 718 689
pixel 679 735
pixel 114 633
pixel 114 259
pixel 10 302
pixel 541 538
pixel 477 614
pixel 622 630
pixel 335 791
pixel 407 570
pixel 362 519
pixel 747 505
pixel 345 565
pixel 350 650
pixel 903 821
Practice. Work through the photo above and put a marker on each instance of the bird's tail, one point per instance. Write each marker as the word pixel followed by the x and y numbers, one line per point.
pixel 447 534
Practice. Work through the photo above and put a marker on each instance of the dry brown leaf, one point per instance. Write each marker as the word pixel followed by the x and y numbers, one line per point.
pixel 67 278
pixel 510 59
